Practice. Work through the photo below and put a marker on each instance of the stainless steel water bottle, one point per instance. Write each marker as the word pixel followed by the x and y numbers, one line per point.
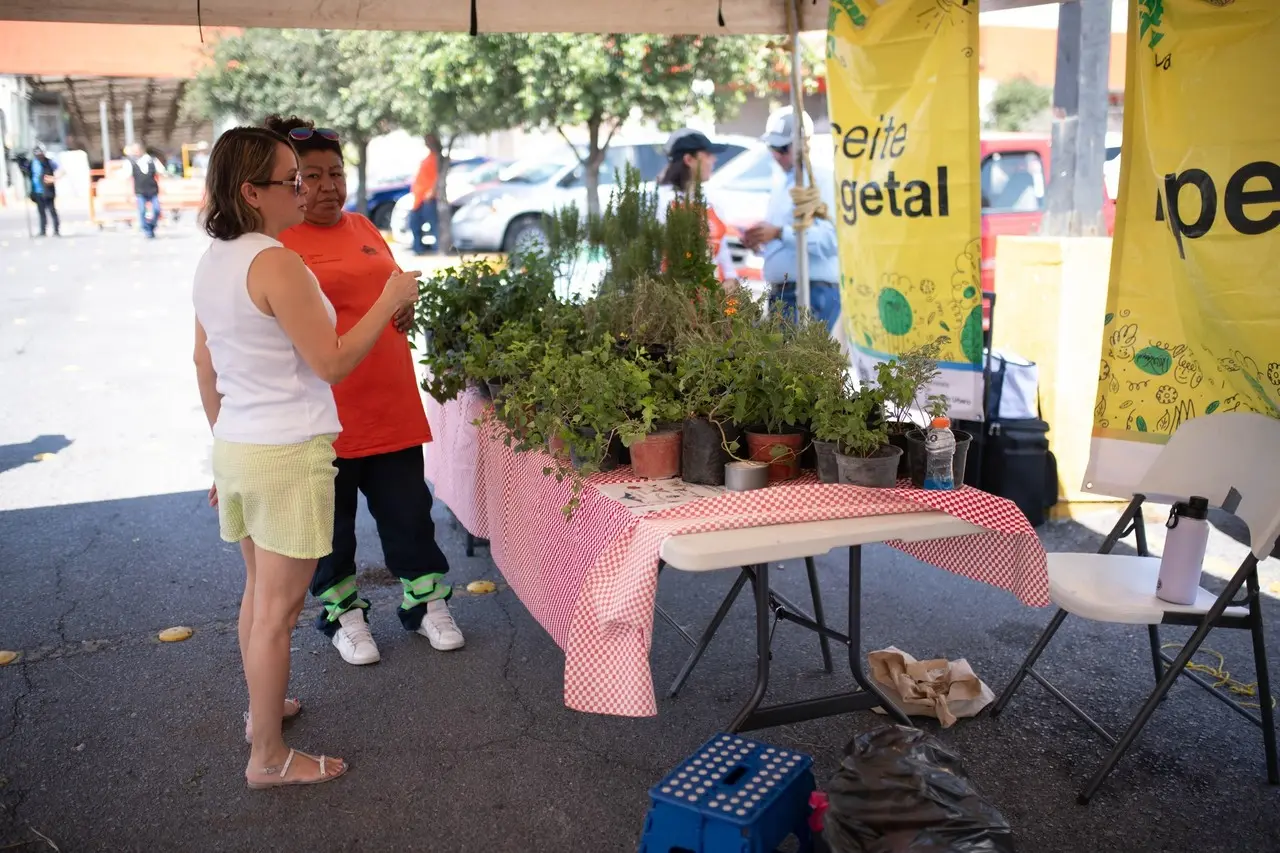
pixel 1184 546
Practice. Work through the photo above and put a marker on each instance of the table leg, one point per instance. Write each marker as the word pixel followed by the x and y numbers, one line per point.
pixel 760 582
pixel 707 635
pixel 867 683
pixel 869 696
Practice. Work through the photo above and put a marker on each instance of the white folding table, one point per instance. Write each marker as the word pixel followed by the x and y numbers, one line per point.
pixel 752 549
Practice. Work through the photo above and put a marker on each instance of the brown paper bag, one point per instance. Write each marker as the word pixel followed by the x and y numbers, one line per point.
pixel 939 688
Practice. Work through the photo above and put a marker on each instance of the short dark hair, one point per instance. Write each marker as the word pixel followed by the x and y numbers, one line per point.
pixel 242 155
pixel 315 142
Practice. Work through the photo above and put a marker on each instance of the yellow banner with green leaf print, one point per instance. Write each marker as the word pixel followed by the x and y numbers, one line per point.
pixel 902 91
pixel 1193 321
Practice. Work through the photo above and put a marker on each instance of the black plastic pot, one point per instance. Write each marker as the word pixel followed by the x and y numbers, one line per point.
pixel 917 456
pixel 703 456
pixel 899 440
pixel 828 467
pixel 808 456
pixel 495 389
pixel 611 456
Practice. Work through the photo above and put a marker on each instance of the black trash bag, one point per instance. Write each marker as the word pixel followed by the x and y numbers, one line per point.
pixel 899 790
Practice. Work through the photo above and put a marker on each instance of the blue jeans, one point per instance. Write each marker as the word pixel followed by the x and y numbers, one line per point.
pixel 824 301
pixel 149 223
pixel 424 214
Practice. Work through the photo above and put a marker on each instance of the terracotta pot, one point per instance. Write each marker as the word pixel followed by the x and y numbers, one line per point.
pixel 556 447
pixel 657 455
pixel 782 452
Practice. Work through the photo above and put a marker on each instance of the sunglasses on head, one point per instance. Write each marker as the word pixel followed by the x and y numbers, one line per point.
pixel 302 134
pixel 296 182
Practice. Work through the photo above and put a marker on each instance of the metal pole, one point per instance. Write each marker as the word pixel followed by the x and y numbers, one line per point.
pixel 106 133
pixel 797 141
pixel 128 123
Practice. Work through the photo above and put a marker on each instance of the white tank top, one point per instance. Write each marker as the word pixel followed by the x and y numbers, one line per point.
pixel 269 394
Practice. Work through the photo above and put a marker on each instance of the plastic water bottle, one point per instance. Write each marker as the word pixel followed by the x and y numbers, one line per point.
pixel 1184 546
pixel 940 450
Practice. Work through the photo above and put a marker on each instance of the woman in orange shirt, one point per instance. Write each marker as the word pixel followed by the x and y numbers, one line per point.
pixel 383 423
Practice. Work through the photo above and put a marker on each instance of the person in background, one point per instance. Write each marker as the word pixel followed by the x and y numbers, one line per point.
pixel 691 158
pixel 44 190
pixel 380 406
pixel 775 238
pixel 266 352
pixel 146 187
pixel 425 209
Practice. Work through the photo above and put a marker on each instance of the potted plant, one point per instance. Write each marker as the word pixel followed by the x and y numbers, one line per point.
pixel 864 456
pixel 903 381
pixel 784 368
pixel 653 433
pixel 831 411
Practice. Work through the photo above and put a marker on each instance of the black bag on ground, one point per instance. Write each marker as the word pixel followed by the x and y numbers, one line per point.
pixel 1017 465
pixel 898 790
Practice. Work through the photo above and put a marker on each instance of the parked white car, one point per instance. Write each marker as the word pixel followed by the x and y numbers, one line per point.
pixel 504 217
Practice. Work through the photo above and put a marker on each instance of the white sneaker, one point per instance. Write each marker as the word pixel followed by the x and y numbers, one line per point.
pixel 438 627
pixel 353 640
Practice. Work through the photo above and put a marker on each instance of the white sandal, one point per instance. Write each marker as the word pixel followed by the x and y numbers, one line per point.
pixel 284 769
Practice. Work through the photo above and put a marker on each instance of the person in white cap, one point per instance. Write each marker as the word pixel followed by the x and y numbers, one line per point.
pixel 775 238
pixel 691 158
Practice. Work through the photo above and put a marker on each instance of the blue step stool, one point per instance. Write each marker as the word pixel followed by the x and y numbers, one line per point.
pixel 733 795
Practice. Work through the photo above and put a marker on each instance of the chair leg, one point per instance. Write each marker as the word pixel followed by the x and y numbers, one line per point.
pixel 818 617
pixel 1266 711
pixel 1036 651
pixel 1171 674
pixel 1153 631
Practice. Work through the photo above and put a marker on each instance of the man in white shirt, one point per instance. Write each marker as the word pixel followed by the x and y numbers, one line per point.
pixel 146 187
pixel 775 238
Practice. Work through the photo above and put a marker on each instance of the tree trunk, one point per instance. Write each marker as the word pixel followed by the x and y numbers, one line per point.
pixel 444 213
pixel 362 175
pixel 595 157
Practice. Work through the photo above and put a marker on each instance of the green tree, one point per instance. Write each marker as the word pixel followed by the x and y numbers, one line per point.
pixel 602 80
pixel 329 76
pixel 1018 102
pixel 442 86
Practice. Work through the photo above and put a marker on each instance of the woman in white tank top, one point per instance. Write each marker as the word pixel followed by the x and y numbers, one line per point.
pixel 266 353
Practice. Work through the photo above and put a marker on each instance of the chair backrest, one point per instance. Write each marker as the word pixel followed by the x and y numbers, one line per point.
pixel 1211 455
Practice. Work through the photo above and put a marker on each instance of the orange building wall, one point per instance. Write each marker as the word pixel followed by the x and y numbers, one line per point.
pixel 1011 52
pixel 106 50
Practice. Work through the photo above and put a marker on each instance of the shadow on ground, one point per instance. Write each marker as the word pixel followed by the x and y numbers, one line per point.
pixel 28 452
pixel 112 741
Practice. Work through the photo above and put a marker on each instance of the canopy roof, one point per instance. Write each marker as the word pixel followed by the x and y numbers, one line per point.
pixel 569 16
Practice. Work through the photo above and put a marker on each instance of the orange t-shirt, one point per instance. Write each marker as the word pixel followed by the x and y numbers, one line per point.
pixel 424 183
pixel 379 403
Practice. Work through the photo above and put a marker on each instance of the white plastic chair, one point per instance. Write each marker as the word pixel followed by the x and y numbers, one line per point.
pixel 1233 460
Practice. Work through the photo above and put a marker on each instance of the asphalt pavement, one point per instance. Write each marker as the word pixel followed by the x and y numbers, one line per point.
pixel 113 741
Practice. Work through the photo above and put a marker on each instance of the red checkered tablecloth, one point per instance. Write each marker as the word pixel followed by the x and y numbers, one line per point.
pixel 591 580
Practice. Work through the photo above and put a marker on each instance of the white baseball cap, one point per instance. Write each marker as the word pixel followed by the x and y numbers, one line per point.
pixel 780 129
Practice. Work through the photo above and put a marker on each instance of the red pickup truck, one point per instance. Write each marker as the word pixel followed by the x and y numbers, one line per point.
pixel 1015 169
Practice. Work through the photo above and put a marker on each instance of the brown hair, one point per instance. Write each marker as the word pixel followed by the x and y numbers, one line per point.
pixel 241 155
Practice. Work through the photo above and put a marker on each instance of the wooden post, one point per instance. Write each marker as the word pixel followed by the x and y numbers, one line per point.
pixel 1081 99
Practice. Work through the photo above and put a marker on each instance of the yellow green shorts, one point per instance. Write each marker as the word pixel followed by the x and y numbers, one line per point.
pixel 280 495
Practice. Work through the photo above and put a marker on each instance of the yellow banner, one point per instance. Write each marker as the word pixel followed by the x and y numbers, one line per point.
pixel 1193 314
pixel 902 89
